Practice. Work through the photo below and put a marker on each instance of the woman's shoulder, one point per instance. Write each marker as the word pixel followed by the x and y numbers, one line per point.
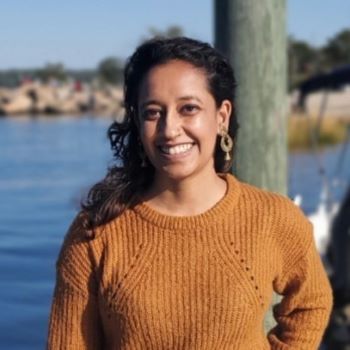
pixel 286 219
pixel 79 232
pixel 264 199
pixel 82 249
pixel 75 241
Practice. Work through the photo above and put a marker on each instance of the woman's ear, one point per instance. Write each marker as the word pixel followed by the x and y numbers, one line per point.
pixel 223 115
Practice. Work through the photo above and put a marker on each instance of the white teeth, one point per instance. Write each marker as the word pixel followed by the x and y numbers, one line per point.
pixel 176 149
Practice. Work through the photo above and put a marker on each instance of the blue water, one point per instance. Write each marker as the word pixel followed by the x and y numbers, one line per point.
pixel 305 178
pixel 46 164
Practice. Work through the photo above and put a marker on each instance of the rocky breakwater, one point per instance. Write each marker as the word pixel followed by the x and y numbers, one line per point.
pixel 37 98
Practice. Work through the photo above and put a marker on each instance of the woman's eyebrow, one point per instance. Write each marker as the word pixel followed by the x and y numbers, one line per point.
pixel 150 102
pixel 182 98
pixel 190 97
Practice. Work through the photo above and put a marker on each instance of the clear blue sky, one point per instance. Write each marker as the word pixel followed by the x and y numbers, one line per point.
pixel 79 33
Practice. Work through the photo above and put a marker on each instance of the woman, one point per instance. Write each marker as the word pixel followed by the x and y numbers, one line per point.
pixel 171 251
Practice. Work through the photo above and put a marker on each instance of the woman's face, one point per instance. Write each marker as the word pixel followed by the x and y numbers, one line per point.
pixel 178 120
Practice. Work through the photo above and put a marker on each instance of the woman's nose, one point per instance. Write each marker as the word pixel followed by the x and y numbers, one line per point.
pixel 170 126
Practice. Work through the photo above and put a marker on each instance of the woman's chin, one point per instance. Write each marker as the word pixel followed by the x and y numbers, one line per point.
pixel 178 173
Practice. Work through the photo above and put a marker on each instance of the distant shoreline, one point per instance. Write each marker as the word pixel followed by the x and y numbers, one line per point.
pixel 303 132
pixel 53 98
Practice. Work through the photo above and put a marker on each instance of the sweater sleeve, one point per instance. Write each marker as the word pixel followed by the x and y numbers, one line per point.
pixel 303 313
pixel 74 320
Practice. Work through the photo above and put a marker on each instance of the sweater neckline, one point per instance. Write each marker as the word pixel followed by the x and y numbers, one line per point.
pixel 209 217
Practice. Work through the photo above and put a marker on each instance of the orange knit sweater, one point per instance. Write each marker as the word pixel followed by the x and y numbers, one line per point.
pixel 152 281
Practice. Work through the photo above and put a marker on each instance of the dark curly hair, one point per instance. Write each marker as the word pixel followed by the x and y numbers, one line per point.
pixel 126 179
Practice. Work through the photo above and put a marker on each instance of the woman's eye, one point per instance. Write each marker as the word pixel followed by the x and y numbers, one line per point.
pixel 190 109
pixel 151 114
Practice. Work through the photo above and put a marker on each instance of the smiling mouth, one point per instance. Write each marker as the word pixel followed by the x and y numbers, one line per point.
pixel 178 149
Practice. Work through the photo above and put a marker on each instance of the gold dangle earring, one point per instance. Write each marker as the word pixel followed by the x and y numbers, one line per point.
pixel 226 143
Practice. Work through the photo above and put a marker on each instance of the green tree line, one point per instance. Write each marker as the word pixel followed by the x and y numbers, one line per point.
pixel 305 60
pixel 109 71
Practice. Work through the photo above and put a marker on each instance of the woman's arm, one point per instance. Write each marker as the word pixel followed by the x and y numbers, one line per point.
pixel 74 320
pixel 303 313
